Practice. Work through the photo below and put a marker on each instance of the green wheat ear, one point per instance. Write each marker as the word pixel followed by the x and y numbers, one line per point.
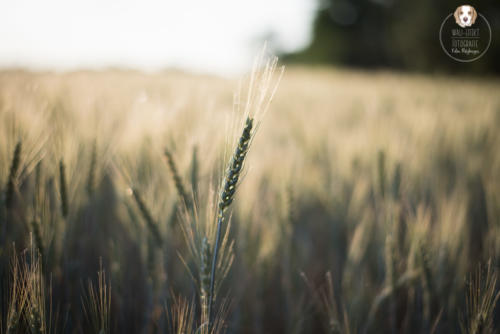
pixel 226 198
pixel 234 171
pixel 11 182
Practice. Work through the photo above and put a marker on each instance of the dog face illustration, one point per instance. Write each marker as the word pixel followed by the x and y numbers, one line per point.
pixel 465 16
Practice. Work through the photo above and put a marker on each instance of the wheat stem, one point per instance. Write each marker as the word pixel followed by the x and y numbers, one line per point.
pixel 226 198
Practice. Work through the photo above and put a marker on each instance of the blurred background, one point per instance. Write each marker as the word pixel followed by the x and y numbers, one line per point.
pixel 222 36
pixel 219 36
pixel 396 34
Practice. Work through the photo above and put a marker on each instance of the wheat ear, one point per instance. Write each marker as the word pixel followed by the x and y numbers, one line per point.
pixel 177 179
pixel 146 214
pixel 226 198
pixel 11 182
pixel 91 176
pixel 63 189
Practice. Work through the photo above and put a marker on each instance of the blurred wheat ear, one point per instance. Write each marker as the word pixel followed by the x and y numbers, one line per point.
pixel 194 174
pixel 63 189
pixel 381 172
pixel 396 182
pixel 37 203
pixel 177 180
pixel 11 182
pixel 146 214
pixel 35 226
pixel 37 194
pixel 92 170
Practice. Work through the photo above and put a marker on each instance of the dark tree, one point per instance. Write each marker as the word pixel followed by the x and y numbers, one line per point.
pixel 399 34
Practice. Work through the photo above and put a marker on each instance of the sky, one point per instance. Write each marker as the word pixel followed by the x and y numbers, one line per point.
pixel 216 36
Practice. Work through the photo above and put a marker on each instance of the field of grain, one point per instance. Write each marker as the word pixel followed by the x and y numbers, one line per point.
pixel 369 202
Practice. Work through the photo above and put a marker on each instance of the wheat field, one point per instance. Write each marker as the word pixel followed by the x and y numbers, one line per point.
pixel 368 202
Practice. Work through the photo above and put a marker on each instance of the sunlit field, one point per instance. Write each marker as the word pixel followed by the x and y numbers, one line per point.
pixel 368 202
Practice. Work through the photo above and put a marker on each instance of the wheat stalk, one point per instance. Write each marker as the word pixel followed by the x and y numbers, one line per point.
pixel 205 275
pixel 226 198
